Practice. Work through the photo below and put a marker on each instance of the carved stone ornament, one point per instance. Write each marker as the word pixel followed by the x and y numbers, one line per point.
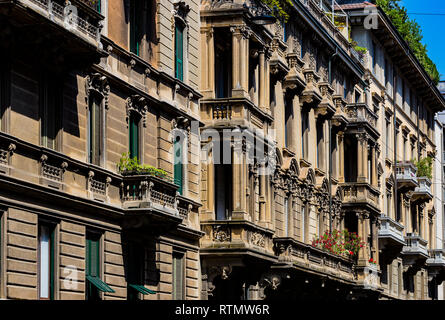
pixel 138 104
pixel 257 239
pixel 222 233
pixel 97 84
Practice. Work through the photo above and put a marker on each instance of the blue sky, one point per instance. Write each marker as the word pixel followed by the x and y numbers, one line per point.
pixel 432 28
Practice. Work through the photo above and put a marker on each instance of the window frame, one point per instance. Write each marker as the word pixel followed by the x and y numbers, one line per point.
pixel 178 167
pixel 183 260
pixel 91 292
pixel 181 26
pixel 52 252
pixel 50 103
pixel 101 130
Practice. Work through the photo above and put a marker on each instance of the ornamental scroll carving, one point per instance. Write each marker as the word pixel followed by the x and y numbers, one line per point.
pixel 222 233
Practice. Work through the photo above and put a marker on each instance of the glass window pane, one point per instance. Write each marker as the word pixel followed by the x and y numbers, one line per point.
pixel 44 262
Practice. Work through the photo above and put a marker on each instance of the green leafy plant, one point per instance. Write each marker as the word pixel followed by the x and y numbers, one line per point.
pixel 424 167
pixel 411 32
pixel 128 166
pixel 280 8
pixel 340 243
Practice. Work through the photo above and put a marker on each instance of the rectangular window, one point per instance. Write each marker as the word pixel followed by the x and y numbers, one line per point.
pixel 320 142
pixel 304 133
pixel 179 51
pixel 136 10
pixel 223 191
pixel 46 261
pixel 303 223
pixel 50 113
pixel 345 88
pixel 286 216
pixel 287 120
pixel 99 6
pixel 178 276
pixel 178 164
pixel 387 138
pixel 93 261
pixel 223 63
pixel 136 271
pixel 95 129
pixel 285 32
pixel 134 135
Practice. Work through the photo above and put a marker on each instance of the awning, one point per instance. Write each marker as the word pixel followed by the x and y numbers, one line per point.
pixel 99 284
pixel 142 289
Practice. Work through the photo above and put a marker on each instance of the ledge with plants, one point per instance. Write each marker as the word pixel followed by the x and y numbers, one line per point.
pixel 342 243
pixel 131 166
pixel 424 167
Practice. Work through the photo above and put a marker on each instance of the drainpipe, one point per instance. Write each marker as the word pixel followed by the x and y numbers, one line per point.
pixel 330 144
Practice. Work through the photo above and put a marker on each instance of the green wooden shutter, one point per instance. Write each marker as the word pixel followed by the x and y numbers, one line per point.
pixel 95 130
pixel 134 136
pixel 178 164
pixel 98 6
pixel 179 52
pixel 93 259
pixel 135 25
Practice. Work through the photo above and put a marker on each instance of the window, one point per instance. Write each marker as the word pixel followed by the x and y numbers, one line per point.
pixel 303 223
pixel 345 88
pixel 223 191
pixel 387 137
pixel 95 129
pixel 405 141
pixel 388 204
pixel 136 10
pixel 99 6
pixel 179 51
pixel 320 145
pixel 285 32
pixel 46 261
pixel 94 284
pixel 304 133
pixel 178 276
pixel 286 216
pixel 136 271
pixel 134 135
pixel 50 113
pixel 287 120
pixel 223 63
pixel 358 96
pixel 178 163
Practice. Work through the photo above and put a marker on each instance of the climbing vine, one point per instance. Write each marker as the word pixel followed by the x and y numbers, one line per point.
pixel 411 32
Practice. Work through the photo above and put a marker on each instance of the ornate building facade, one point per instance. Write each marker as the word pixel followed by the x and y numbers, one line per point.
pixel 81 85
pixel 250 141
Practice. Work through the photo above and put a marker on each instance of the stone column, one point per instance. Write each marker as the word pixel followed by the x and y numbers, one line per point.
pixel 341 157
pixel 236 58
pixel 374 166
pixel 208 62
pixel 363 220
pixel 262 200
pixel 261 78
pixel 297 134
pixel 238 183
pixel 362 157
pixel 312 137
pixel 211 184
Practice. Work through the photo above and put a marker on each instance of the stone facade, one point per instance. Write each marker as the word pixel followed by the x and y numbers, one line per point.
pixel 316 143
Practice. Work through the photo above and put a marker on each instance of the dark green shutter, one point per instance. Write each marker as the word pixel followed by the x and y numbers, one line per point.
pixel 179 52
pixel 134 136
pixel 135 26
pixel 95 130
pixel 178 164
pixel 98 6
pixel 93 260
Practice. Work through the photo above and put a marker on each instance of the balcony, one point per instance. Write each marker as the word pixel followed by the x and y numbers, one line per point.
pixel 360 194
pixel 361 113
pixel 406 175
pixel 423 191
pixel 237 239
pixel 72 27
pixel 232 112
pixel 415 250
pixel 292 253
pixel 391 235
pixel 141 194
pixel 436 264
